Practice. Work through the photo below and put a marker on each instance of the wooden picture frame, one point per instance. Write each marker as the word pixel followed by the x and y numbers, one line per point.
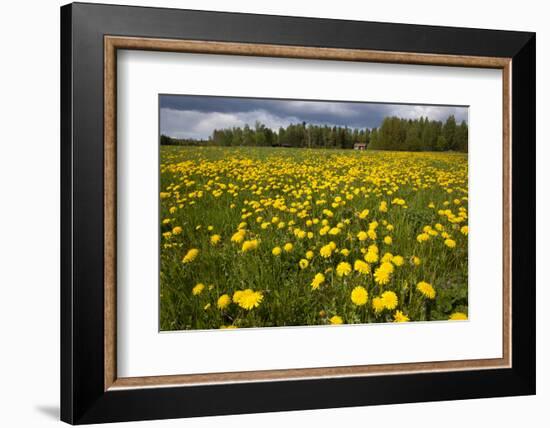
pixel 91 390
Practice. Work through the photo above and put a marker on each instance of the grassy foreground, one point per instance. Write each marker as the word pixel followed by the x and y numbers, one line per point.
pixel 258 237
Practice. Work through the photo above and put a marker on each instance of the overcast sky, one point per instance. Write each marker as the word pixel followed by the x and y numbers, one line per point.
pixel 196 116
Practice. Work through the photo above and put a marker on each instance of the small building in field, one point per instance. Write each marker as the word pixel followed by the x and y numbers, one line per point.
pixel 359 146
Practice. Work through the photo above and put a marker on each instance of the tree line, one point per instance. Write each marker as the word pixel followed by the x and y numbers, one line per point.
pixel 393 134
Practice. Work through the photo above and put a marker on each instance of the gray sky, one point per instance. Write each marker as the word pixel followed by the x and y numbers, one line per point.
pixel 196 116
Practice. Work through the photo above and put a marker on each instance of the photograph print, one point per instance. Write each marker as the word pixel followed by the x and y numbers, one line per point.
pixel 279 212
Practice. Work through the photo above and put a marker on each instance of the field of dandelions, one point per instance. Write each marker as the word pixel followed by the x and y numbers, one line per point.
pixel 268 237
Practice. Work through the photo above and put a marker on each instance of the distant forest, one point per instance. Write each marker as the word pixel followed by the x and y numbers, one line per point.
pixel 393 134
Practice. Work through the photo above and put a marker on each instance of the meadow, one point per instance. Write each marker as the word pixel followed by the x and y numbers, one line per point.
pixel 267 237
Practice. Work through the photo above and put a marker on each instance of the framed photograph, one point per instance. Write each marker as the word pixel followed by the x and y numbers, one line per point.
pixel 266 213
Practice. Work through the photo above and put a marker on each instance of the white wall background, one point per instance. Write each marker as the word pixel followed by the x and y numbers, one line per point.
pixel 29 213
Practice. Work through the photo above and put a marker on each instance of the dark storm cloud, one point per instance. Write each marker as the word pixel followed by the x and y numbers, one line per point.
pixel 192 116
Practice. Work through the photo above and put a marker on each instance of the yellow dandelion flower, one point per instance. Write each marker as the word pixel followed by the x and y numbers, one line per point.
pixel 309 255
pixel 318 279
pixel 458 316
pixel 198 289
pixel 450 243
pixel 238 237
pixel 326 251
pixel 416 261
pixel 387 257
pixel 334 231
pixel 362 236
pixel 388 240
pixel 464 230
pixel 288 247
pixel 398 260
pixel 423 237
pixel 249 299
pixel 276 251
pixel 361 267
pixel 177 230
pixel 399 316
pixel 383 208
pixel 344 252
pixel 343 269
pixel 190 256
pixel 371 256
pixel 359 296
pixel 303 263
pixel 335 320
pixel 390 299
pixel 363 214
pixel 426 289
pixel 223 301
pixel 372 234
pixel 378 305
pixel 215 239
pixel 382 276
pixel 249 245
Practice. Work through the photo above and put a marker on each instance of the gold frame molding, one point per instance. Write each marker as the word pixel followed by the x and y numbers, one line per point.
pixel 113 43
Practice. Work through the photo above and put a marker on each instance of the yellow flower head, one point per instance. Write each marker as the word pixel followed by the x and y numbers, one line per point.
pixel 359 296
pixel 378 305
pixel 423 237
pixel 343 269
pixel 464 230
pixel 458 316
pixel 336 320
pixel 309 255
pixel 383 208
pixel 450 243
pixel 398 260
pixel 276 251
pixel 215 239
pixel 248 299
pixel 361 267
pixel 388 240
pixel 198 289
pixel 389 298
pixel 399 316
pixel 177 230
pixel 326 251
pixel 318 279
pixel 238 237
pixel 363 214
pixel 387 257
pixel 371 256
pixel 250 245
pixel 426 289
pixel 362 236
pixel 190 256
pixel 382 276
pixel 288 247
pixel 303 263
pixel 223 301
